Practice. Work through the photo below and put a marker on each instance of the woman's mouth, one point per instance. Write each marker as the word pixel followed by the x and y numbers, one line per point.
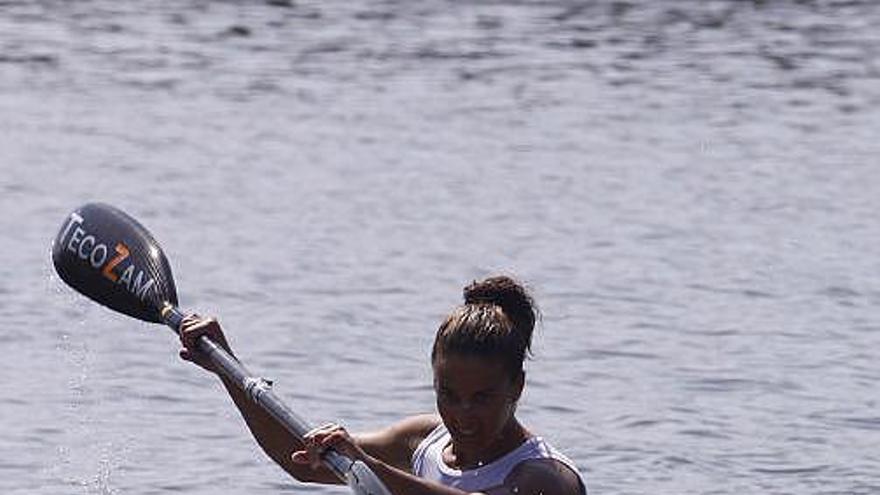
pixel 466 433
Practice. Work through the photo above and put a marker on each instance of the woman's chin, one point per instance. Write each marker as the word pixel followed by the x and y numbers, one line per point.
pixel 470 441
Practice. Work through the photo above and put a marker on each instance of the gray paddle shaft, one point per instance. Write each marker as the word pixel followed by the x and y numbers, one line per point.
pixel 259 390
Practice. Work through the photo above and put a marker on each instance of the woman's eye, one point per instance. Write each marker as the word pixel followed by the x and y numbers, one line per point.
pixel 482 399
pixel 446 396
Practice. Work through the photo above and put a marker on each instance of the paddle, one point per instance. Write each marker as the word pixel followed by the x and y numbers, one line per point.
pixel 108 256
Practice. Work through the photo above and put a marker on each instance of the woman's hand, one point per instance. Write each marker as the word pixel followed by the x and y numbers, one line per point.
pixel 191 329
pixel 324 437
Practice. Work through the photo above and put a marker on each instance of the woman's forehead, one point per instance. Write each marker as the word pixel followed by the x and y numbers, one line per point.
pixel 469 371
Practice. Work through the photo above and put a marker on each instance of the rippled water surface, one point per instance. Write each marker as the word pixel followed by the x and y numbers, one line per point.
pixel 690 187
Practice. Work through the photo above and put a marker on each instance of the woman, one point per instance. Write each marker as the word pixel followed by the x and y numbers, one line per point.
pixel 475 445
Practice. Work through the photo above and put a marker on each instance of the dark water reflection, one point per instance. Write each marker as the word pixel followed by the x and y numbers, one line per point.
pixel 690 187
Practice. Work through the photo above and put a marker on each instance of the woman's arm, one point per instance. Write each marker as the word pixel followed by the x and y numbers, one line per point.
pixel 531 477
pixel 394 445
pixel 398 480
pixel 278 443
pixel 403 483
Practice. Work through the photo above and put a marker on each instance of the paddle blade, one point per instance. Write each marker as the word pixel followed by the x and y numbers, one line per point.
pixel 108 256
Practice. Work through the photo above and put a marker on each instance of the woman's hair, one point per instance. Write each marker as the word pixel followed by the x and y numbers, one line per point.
pixel 496 321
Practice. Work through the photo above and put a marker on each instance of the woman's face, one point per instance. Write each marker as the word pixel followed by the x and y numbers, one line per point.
pixel 476 398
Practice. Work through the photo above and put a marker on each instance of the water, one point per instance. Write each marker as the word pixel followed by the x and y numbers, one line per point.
pixel 689 187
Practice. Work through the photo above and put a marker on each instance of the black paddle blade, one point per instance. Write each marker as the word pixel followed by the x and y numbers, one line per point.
pixel 111 258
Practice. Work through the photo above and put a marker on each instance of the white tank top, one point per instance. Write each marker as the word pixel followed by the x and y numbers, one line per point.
pixel 428 463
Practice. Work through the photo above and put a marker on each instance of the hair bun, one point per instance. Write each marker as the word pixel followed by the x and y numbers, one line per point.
pixel 508 294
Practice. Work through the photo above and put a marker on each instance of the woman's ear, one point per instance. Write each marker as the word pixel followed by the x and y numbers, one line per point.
pixel 518 383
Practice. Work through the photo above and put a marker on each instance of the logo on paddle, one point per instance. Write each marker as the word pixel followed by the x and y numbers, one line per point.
pixel 115 265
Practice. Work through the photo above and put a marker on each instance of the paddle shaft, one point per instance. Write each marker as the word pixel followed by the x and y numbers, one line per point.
pixel 258 390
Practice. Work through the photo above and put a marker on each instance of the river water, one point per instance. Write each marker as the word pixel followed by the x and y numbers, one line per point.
pixel 689 187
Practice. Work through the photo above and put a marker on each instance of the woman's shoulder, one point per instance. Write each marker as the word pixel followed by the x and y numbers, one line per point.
pixel 545 475
pixel 416 428
pixel 397 443
pixel 539 467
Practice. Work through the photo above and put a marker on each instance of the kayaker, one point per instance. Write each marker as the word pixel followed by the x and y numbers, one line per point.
pixel 473 445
